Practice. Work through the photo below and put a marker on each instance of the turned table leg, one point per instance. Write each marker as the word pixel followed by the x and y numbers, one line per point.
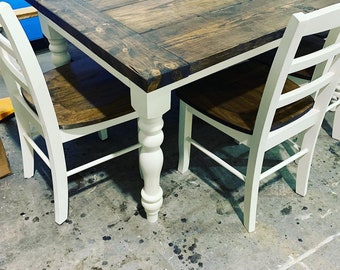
pixel 58 44
pixel 150 108
pixel 151 161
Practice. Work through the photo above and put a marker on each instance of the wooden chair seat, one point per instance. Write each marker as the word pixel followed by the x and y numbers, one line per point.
pixel 237 104
pixel 79 99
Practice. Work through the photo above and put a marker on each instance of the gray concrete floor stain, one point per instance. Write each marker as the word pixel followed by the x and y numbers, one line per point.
pixel 199 224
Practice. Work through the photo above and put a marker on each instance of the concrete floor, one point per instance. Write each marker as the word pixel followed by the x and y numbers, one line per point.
pixel 199 223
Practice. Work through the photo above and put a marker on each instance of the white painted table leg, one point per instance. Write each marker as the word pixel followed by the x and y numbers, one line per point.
pixel 58 48
pixel 58 44
pixel 150 108
pixel 151 162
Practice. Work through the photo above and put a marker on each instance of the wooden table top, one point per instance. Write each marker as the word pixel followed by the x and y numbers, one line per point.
pixel 155 43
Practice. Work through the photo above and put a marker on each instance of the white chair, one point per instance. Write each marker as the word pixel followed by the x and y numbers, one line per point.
pixel 262 108
pixel 61 105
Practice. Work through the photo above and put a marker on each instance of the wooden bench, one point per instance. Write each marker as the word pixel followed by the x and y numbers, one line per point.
pixel 25 13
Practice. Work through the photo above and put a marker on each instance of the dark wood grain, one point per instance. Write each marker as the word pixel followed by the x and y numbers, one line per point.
pixel 145 63
pixel 83 93
pixel 155 43
pixel 109 4
pixel 238 107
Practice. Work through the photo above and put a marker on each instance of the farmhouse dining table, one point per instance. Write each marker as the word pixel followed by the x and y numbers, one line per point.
pixel 155 47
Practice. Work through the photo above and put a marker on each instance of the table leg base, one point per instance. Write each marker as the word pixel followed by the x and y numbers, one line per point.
pixel 152 204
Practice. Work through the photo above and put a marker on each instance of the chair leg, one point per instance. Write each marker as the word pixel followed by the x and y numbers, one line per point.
pixel 252 183
pixel 59 180
pixel 26 148
pixel 185 128
pixel 336 124
pixel 60 194
pixel 305 162
pixel 335 106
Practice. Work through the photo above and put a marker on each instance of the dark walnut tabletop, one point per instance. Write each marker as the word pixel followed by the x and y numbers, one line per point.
pixel 157 42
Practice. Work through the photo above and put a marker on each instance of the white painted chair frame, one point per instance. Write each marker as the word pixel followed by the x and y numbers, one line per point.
pixel 335 102
pixel 335 106
pixel 15 48
pixel 309 124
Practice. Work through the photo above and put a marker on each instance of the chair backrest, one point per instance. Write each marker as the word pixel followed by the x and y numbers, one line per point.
pixel 326 75
pixel 21 70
